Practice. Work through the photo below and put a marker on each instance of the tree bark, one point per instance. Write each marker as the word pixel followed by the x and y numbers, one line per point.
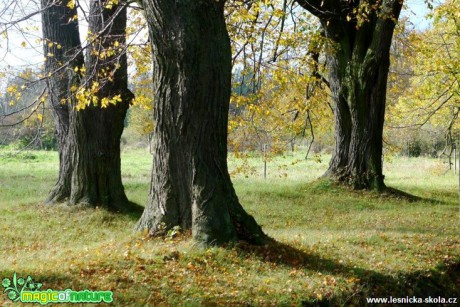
pixel 358 62
pixel 190 185
pixel 96 130
pixel 61 46
pixel 89 139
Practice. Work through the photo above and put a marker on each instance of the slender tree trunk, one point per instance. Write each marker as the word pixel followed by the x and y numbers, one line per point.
pixel 190 185
pixel 96 130
pixel 61 45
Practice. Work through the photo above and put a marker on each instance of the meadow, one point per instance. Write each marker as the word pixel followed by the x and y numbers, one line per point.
pixel 332 246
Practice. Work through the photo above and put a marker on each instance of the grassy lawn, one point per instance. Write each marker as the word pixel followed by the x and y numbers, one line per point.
pixel 334 246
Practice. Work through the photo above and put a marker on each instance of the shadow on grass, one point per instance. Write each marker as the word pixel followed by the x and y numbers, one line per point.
pixel 130 209
pixel 411 198
pixel 327 185
pixel 396 193
pixel 442 280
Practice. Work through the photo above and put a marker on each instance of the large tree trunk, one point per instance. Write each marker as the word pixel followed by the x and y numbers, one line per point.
pixel 358 63
pixel 62 46
pixel 190 184
pixel 89 139
pixel 96 130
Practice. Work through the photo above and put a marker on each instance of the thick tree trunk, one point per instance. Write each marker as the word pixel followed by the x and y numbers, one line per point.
pixel 96 130
pixel 358 69
pixel 190 184
pixel 61 45
pixel 89 140
pixel 342 120
pixel 359 113
pixel 96 178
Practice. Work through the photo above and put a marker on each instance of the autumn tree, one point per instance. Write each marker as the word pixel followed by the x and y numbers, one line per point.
pixel 89 99
pixel 98 123
pixel 63 52
pixel 190 186
pixel 22 114
pixel 279 95
pixel 140 115
pixel 24 118
pixel 432 99
pixel 359 35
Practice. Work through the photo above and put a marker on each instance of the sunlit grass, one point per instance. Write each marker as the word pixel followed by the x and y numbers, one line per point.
pixel 335 245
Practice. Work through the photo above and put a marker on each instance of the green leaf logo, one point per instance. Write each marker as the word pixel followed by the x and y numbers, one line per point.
pixel 14 287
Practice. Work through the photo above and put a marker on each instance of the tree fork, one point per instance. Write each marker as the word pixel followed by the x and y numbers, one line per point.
pixel 89 140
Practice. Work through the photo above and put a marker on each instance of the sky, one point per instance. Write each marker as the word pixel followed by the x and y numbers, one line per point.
pixel 20 51
pixel 417 10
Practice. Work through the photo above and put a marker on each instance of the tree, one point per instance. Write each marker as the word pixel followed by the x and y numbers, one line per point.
pixel 278 95
pixel 190 186
pixel 61 43
pixel 432 99
pixel 89 100
pixel 97 126
pixel 25 121
pixel 359 36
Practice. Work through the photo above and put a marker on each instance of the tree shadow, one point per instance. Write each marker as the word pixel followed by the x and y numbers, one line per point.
pixel 394 193
pixel 442 280
pixel 399 194
pixel 130 209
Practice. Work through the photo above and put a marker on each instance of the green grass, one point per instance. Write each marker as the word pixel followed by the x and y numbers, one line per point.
pixel 334 246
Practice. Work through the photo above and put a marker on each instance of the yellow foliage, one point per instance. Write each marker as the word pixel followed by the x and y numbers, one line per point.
pixel 110 4
pixel 273 66
pixel 71 4
pixel 433 61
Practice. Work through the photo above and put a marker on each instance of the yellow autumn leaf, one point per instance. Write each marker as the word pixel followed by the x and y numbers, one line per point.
pixel 71 4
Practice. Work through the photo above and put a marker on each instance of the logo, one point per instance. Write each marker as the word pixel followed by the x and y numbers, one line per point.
pixel 29 291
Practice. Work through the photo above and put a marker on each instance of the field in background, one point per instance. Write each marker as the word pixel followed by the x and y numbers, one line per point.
pixel 334 245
